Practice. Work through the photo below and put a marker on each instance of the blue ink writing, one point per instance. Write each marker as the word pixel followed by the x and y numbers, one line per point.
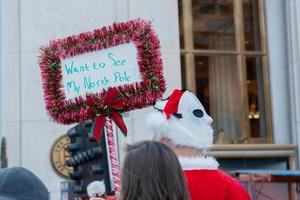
pixel 73 69
pixel 89 84
pixel 116 62
pixel 72 85
pixel 118 77
pixel 99 66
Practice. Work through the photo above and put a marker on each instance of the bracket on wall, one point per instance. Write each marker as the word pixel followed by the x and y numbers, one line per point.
pixel 3 154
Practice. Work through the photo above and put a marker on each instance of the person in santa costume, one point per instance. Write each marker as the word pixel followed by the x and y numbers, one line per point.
pixel 181 122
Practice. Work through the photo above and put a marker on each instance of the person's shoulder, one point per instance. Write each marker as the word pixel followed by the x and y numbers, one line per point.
pixel 201 172
pixel 234 190
pixel 210 172
pixel 226 176
pixel 207 174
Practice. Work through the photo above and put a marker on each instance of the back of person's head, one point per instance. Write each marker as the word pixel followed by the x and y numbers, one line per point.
pixel 181 118
pixel 18 183
pixel 151 171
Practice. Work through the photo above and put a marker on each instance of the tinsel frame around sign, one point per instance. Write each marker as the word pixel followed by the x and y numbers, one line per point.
pixel 135 96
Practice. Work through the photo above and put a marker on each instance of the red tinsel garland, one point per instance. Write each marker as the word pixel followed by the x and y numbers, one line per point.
pixel 135 96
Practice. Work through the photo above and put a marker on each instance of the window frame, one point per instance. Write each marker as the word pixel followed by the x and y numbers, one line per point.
pixel 241 53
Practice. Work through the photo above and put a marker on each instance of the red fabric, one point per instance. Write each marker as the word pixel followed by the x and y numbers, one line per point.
pixel 172 104
pixel 110 106
pixel 214 185
pixel 98 126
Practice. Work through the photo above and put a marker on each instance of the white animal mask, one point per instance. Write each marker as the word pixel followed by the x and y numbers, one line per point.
pixel 182 119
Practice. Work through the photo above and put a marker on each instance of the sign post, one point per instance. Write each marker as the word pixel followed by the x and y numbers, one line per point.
pixel 100 74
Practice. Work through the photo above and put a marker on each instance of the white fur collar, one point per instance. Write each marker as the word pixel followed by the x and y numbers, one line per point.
pixel 192 163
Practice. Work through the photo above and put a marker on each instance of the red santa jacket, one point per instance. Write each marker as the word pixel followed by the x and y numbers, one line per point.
pixel 207 182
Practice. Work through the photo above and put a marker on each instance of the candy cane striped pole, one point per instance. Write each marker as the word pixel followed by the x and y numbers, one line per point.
pixel 113 157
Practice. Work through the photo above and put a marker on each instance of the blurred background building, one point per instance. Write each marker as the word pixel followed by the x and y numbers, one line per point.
pixel 241 58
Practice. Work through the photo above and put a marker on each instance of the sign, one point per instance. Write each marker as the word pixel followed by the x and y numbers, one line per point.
pixel 125 56
pixel 59 155
pixel 92 72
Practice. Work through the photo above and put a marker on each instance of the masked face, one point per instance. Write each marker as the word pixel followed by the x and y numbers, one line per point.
pixel 193 111
pixel 191 125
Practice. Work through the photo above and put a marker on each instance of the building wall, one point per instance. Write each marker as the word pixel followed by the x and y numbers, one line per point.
pixel 277 48
pixel 292 8
pixel 26 25
pixel 30 24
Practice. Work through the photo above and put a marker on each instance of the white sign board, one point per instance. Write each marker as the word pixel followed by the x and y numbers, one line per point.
pixel 98 70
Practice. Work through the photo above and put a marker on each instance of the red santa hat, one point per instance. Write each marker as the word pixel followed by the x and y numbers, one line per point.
pixel 182 119
pixel 172 103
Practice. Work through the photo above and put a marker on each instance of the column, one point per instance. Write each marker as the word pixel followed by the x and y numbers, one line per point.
pixel 293 40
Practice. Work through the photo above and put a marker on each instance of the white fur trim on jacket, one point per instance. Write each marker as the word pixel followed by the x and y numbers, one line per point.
pixel 193 163
pixel 96 188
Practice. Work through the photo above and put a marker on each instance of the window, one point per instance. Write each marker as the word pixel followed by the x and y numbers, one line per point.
pixel 225 62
